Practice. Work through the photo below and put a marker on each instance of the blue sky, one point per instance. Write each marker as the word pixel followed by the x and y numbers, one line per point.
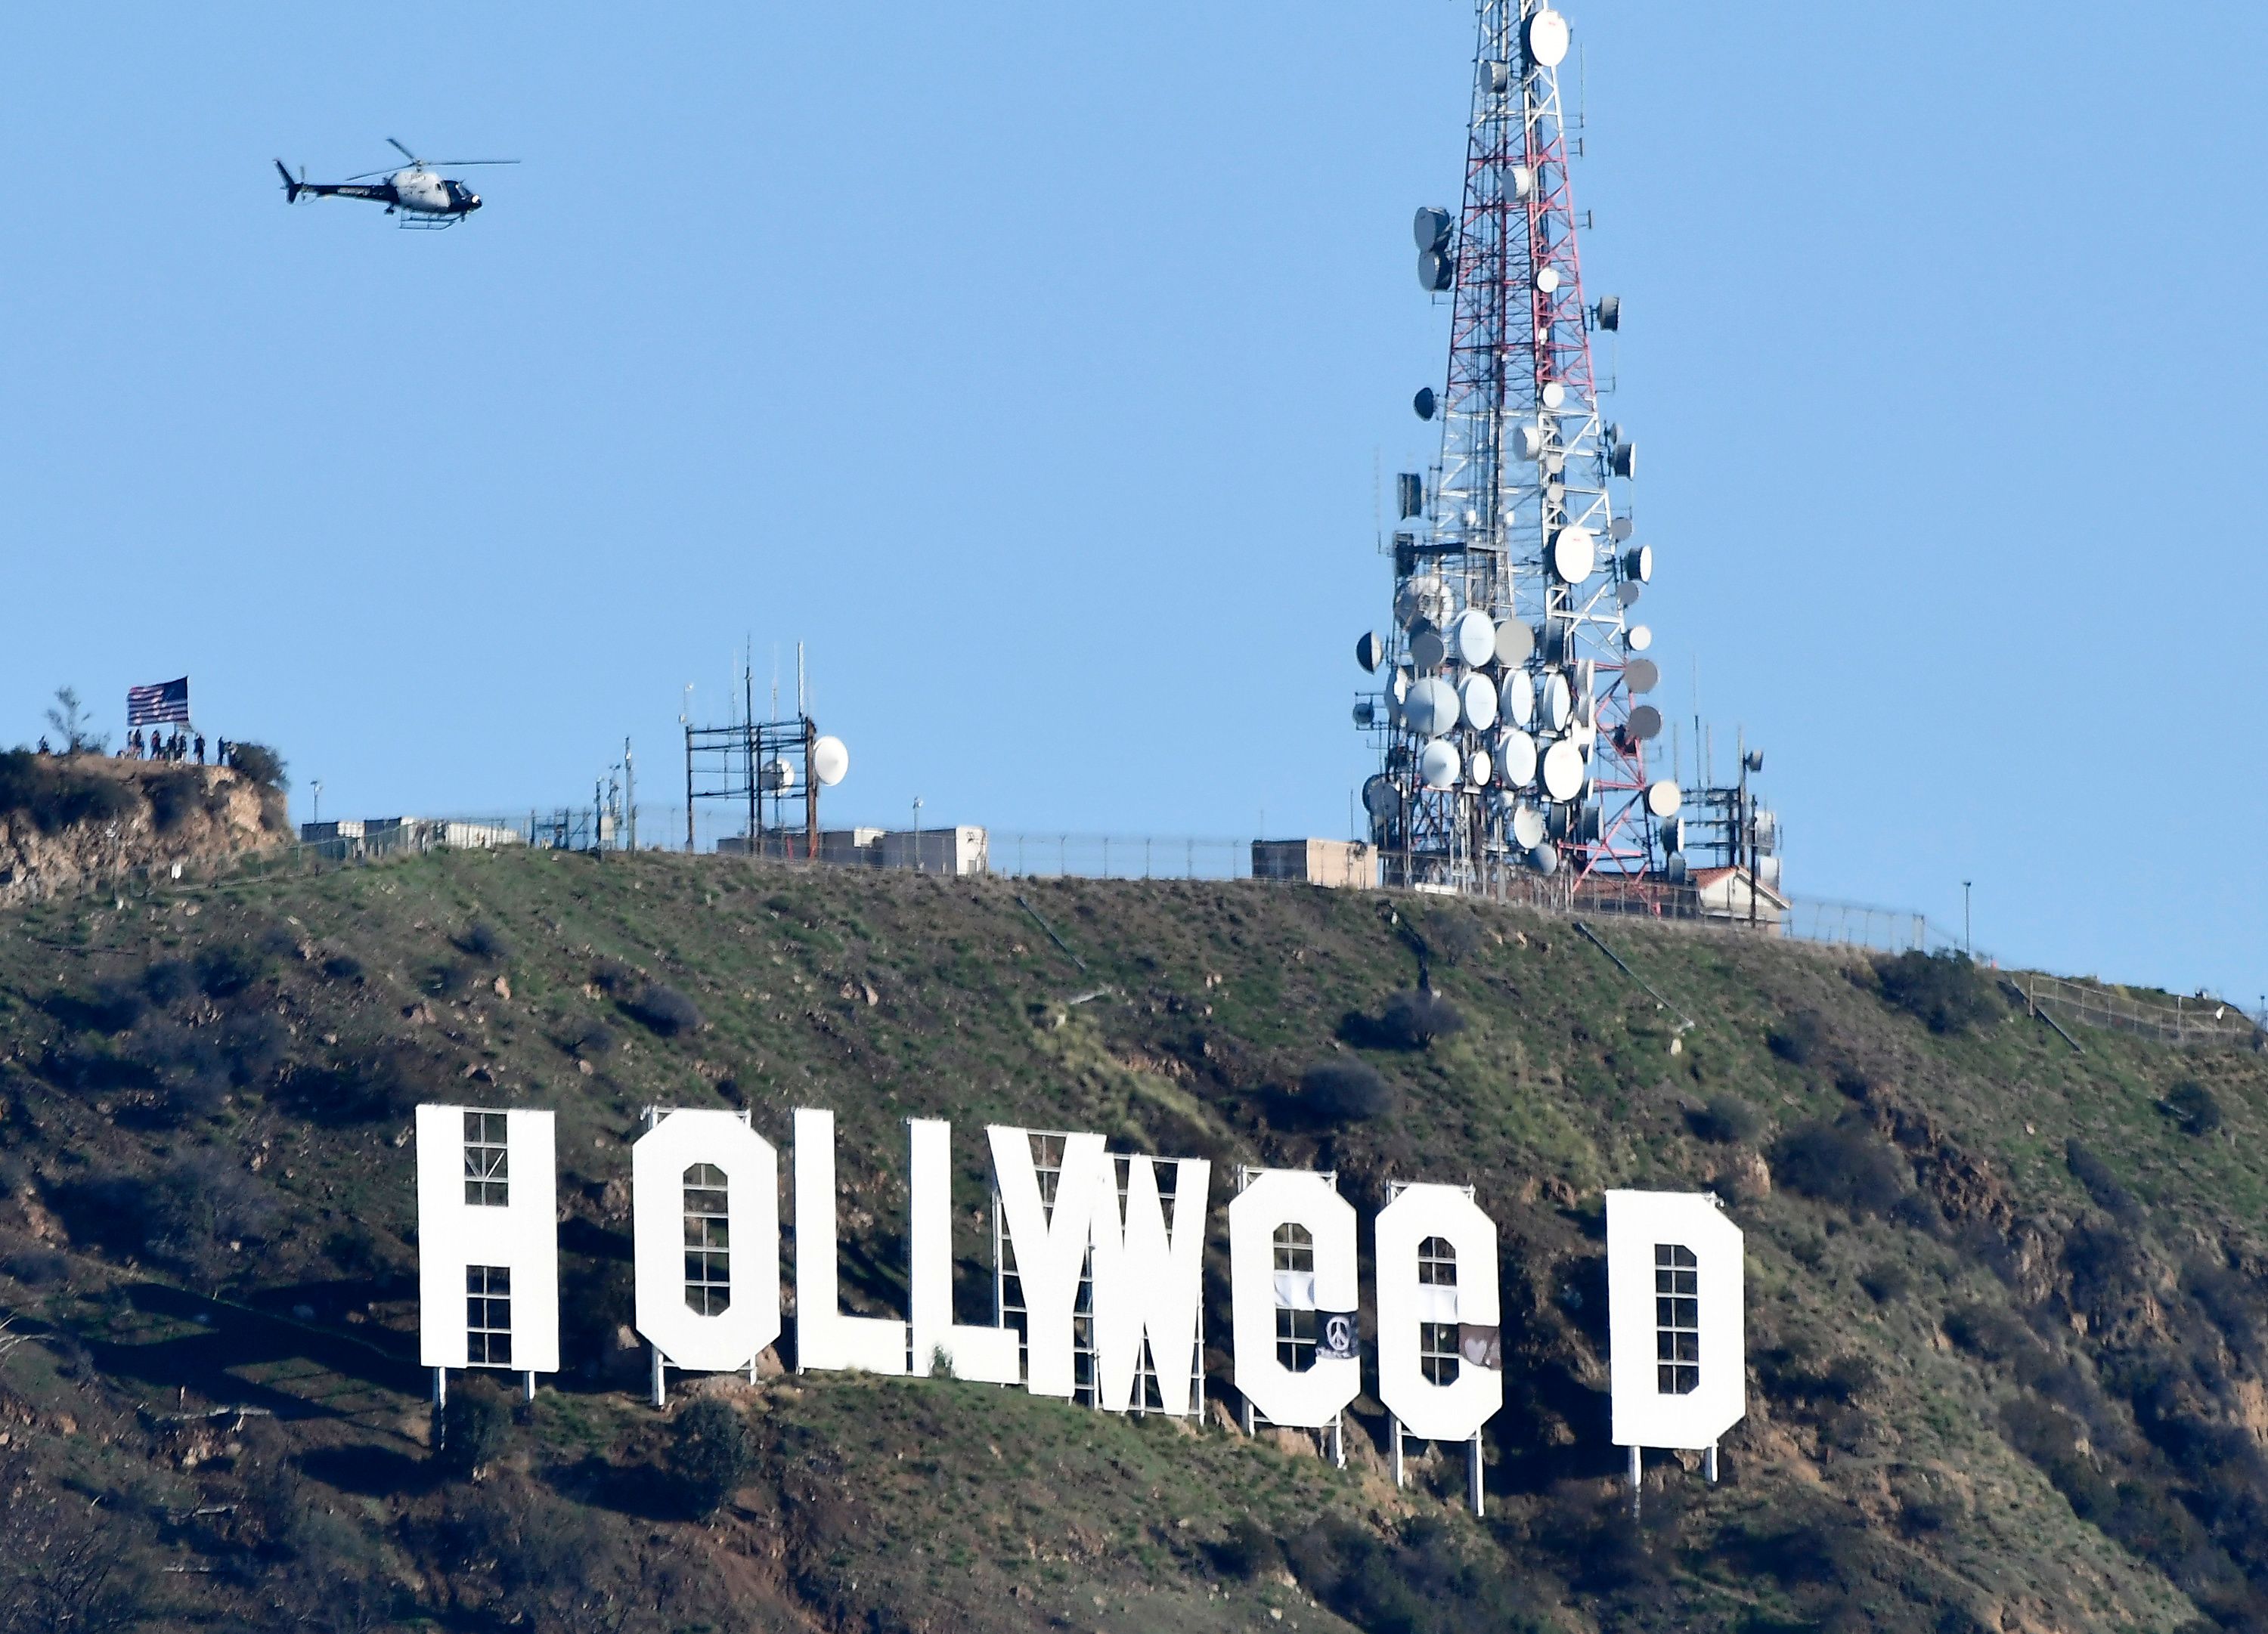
pixel 1034 363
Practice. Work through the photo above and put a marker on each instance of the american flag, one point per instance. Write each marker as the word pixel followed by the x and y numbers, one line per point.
pixel 155 705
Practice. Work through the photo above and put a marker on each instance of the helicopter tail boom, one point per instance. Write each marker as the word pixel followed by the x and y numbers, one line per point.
pixel 291 189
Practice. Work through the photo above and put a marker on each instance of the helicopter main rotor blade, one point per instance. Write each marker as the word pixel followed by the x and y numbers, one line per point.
pixel 405 152
pixel 454 163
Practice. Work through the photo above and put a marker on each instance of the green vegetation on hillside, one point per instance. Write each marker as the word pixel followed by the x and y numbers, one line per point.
pixel 2007 1312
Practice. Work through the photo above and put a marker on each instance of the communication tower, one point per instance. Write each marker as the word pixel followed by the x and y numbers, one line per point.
pixel 1512 723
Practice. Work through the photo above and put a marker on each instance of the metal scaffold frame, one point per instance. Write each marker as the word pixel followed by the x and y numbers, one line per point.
pixel 1526 457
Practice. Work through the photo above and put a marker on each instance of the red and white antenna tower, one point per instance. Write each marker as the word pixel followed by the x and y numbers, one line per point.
pixel 1513 723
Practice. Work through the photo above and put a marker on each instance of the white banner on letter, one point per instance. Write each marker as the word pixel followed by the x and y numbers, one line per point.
pixel 1049 1244
pixel 705 1202
pixel 824 1338
pixel 488 1239
pixel 1149 1282
pixel 1313 1397
pixel 987 1355
pixel 1461 1264
pixel 1676 1339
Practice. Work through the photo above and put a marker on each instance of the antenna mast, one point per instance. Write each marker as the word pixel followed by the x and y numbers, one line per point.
pixel 1512 738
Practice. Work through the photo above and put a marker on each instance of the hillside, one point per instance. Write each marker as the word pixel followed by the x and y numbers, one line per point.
pixel 69 821
pixel 2006 1309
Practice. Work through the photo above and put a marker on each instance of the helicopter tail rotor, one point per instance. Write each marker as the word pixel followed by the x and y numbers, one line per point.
pixel 291 188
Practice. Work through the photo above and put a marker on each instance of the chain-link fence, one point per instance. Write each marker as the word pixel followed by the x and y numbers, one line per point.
pixel 2169 1018
pixel 1063 854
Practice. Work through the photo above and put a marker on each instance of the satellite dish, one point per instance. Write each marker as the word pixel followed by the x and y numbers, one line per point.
pixel 1562 770
pixel 830 762
pixel 1398 689
pixel 1424 403
pixel 1638 638
pixel 1427 649
pixel 1478 697
pixel 1472 635
pixel 1672 834
pixel 1574 555
pixel 1547 39
pixel 1515 698
pixel 1423 599
pixel 1622 459
pixel 1476 769
pixel 1663 798
pixel 1641 675
pixel 1610 311
pixel 1620 529
pixel 1515 758
pixel 1638 565
pixel 1524 181
pixel 1439 763
pixel 1644 723
pixel 1430 708
pixel 1527 827
pixel 779 777
pixel 1548 279
pixel 1526 441
pixel 1380 797
pixel 1543 859
pixel 1432 228
pixel 1437 270
pixel 1500 76
pixel 1673 868
pixel 1514 641
pixel 1555 395
pixel 1628 592
pixel 1365 712
pixel 1370 651
pixel 1558 701
pixel 1768 872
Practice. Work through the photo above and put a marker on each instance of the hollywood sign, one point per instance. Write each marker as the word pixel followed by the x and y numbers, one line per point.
pixel 1106 1252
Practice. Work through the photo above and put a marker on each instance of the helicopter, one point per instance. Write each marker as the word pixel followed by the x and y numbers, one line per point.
pixel 416 195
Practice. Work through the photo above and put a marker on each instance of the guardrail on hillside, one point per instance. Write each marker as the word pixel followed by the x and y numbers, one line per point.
pixel 2183 1021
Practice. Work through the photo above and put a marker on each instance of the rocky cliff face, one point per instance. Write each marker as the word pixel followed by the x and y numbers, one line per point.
pixel 70 822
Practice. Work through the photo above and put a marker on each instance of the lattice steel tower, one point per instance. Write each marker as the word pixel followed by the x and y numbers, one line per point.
pixel 1512 725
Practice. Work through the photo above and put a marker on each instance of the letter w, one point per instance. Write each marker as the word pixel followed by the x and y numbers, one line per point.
pixel 1149 1283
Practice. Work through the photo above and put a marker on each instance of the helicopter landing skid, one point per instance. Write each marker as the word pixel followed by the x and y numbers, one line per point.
pixel 410 221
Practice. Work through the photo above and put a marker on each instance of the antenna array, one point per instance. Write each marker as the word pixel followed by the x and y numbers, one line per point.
pixel 1511 727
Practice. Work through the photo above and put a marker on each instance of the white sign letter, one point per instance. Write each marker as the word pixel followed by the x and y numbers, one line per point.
pixel 1049 1245
pixel 987 1355
pixel 1150 1283
pixel 1676 1342
pixel 1437 1272
pixel 1295 1203
pixel 824 1338
pixel 488 1240
pixel 704 1202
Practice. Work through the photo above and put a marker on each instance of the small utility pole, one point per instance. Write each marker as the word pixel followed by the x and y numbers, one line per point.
pixel 685 719
pixel 317 786
pixel 630 791
pixel 1968 941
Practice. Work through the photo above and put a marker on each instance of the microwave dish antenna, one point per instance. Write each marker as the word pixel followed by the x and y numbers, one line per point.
pixel 1516 568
